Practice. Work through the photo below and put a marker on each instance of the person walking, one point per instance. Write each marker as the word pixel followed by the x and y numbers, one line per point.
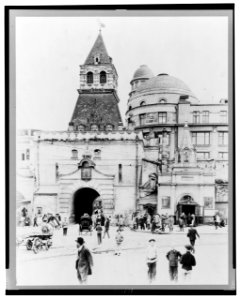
pixel 151 260
pixel 217 221
pixel 192 234
pixel 187 261
pixel 106 227
pixel 99 233
pixel 193 220
pixel 181 224
pixel 65 226
pixel 173 257
pixel 84 262
pixel 35 223
pixel 119 239
pixel 189 219
pixel 170 223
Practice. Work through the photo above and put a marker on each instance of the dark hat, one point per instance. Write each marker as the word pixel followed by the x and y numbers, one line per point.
pixel 152 240
pixel 189 247
pixel 80 240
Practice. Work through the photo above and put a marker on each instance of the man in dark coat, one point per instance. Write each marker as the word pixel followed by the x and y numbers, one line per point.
pixel 173 256
pixel 187 261
pixel 84 261
pixel 107 227
pixel 192 234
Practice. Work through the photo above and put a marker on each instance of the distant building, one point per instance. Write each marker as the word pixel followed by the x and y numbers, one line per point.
pixel 171 157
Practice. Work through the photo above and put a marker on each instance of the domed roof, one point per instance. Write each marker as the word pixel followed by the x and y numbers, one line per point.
pixel 167 84
pixel 143 72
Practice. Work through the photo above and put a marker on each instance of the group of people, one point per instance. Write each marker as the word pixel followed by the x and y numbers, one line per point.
pixel 154 223
pixel 187 260
pixel 186 220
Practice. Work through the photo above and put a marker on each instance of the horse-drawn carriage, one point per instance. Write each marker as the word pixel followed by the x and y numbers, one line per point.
pixel 85 224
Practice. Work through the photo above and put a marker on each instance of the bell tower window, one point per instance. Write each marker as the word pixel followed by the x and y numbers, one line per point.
pixel 102 77
pixel 90 77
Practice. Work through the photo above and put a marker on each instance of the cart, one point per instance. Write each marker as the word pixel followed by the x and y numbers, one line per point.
pixel 38 242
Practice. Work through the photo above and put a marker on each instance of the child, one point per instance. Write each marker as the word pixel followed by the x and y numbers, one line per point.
pixel 119 239
pixel 99 233
pixel 151 259
pixel 65 226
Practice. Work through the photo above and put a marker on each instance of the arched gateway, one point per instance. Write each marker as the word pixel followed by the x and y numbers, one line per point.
pixel 84 201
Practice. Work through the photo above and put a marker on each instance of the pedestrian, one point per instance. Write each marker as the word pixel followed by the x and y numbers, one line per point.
pixel 142 221
pixel 187 261
pixel 84 261
pixel 148 222
pixel 173 257
pixel 184 218
pixel 107 227
pixel 119 239
pixel 181 224
pixel 193 220
pixel 170 223
pixel 121 222
pixel 35 223
pixel 65 226
pixel 217 221
pixel 153 225
pixel 189 219
pixel 99 233
pixel 192 234
pixel 151 260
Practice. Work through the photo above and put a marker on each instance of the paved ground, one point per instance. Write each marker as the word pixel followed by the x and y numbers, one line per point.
pixel 56 266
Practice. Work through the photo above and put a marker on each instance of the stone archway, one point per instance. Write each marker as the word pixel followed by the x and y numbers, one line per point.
pixel 83 200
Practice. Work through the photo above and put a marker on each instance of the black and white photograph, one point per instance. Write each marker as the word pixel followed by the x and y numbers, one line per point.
pixel 122 160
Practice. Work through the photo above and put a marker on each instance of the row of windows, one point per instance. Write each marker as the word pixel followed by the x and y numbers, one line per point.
pixel 203 117
pixel 206 155
pixel 90 77
pixel 142 103
pixel 152 118
pixel 94 127
pixel 97 153
pixel 203 138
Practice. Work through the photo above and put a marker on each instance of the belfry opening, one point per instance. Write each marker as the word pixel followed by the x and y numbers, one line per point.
pixel 83 202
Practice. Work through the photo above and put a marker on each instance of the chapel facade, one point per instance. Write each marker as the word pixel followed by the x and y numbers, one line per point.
pixel 169 156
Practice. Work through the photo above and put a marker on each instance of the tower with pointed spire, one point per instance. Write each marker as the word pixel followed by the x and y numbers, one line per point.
pixel 97 105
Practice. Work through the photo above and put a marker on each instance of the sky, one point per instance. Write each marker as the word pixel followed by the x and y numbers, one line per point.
pixel 49 51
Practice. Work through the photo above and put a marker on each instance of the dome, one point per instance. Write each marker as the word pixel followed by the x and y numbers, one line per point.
pixel 143 72
pixel 166 84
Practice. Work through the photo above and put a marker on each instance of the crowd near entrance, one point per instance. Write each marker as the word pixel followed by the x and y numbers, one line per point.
pixel 84 202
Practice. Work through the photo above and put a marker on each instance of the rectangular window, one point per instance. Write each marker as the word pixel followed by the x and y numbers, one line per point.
pixel 208 202
pixel 223 155
pixel 223 138
pixel 205 117
pixel 201 138
pixel 196 117
pixel 162 117
pixel 223 116
pixel 203 155
pixel 120 172
pixel 142 119
pixel 166 202
pixel 23 156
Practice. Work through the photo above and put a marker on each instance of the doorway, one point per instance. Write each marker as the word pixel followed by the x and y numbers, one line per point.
pixel 83 201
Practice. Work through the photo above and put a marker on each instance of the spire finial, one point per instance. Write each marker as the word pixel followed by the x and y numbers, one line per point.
pixel 101 25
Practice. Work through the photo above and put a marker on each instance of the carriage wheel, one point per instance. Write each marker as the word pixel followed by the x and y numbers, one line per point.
pixel 37 245
pixel 29 244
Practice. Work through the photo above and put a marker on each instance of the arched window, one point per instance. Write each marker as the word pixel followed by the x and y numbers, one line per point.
pixel 143 103
pixel 90 78
pixel 102 77
pixel 74 154
pixel 97 153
